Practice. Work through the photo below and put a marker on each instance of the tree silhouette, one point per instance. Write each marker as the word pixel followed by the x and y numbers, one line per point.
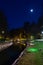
pixel 26 28
pixel 3 24
pixel 33 26
pixel 40 21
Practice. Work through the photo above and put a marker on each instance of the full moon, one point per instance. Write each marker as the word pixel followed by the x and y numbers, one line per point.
pixel 31 10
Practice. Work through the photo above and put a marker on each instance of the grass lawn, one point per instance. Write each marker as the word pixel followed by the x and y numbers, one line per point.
pixel 33 55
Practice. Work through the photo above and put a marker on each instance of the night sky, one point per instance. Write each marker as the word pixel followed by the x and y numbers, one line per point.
pixel 19 11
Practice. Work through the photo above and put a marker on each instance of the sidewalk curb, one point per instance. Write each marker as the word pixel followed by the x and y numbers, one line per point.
pixel 14 63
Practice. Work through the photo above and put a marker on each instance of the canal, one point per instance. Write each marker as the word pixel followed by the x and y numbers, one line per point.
pixel 9 55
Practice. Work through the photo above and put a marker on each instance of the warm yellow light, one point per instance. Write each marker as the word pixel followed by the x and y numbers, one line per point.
pixel 22 39
pixel 24 44
pixel 0 37
pixel 32 37
pixel 7 38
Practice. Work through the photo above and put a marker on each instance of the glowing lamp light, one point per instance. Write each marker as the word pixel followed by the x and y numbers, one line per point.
pixel 32 49
pixel 2 32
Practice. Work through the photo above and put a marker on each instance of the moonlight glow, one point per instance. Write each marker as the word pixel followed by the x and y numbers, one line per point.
pixel 31 10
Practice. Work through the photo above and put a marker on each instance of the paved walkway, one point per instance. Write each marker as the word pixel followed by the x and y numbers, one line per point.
pixel 5 45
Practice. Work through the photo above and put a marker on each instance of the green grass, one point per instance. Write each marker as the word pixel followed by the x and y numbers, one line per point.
pixel 36 55
pixel 32 50
pixel 37 46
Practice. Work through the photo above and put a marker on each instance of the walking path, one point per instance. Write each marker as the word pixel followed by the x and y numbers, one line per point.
pixel 5 45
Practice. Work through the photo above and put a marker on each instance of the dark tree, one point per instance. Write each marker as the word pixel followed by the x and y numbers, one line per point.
pixel 27 28
pixel 34 29
pixel 33 26
pixel 40 21
pixel 3 24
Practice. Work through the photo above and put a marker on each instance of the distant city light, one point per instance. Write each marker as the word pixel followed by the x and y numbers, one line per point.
pixel 31 10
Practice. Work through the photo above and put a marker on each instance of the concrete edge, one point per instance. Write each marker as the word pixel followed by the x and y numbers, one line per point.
pixel 14 63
